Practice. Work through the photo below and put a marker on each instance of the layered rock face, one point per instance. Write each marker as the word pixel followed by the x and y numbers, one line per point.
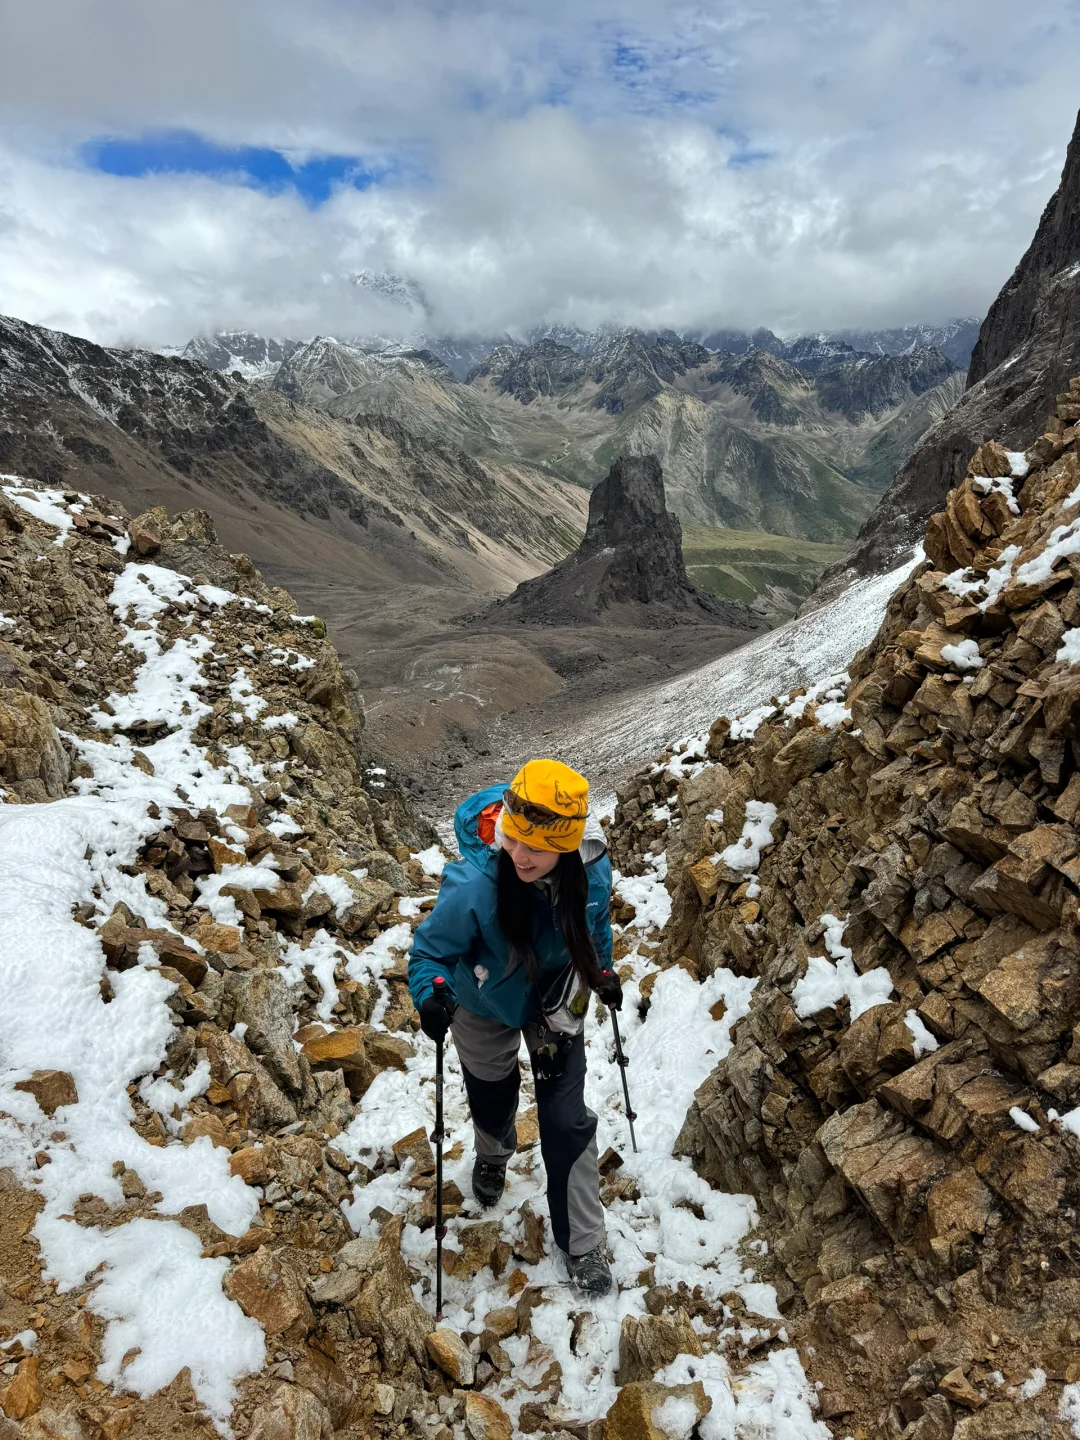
pixel 900 868
pixel 629 568
pixel 1028 347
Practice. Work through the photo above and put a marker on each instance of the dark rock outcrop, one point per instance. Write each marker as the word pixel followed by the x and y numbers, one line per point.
pixel 546 368
pixel 629 568
pixel 1028 347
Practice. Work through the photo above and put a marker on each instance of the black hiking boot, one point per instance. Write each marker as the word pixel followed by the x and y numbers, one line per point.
pixel 488 1181
pixel 589 1273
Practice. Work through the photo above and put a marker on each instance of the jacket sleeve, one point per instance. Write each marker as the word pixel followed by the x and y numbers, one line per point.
pixel 601 924
pixel 445 937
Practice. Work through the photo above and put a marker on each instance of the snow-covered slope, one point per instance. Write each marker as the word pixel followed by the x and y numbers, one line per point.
pixel 255 357
pixel 615 736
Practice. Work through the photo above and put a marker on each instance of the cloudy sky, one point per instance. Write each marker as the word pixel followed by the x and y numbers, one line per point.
pixel 171 168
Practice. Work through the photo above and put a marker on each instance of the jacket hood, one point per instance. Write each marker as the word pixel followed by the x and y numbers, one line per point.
pixel 484 857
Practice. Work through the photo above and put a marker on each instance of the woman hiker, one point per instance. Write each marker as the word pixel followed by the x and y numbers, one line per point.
pixel 521 933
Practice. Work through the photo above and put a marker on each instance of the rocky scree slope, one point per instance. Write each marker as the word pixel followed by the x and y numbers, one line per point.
pixel 1028 347
pixel 217 1195
pixel 897 867
pixel 200 893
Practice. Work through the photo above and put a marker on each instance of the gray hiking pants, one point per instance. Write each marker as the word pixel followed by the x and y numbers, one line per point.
pixel 488 1053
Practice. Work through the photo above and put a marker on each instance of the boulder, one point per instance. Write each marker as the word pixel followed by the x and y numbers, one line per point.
pixel 292 1414
pixel 255 1164
pixel 33 761
pixel 485 1419
pixel 502 1321
pixel 51 1089
pixel 384 1308
pixel 890 1167
pixel 262 1002
pixel 270 1288
pixel 146 531
pixel 257 1099
pixel 21 1398
pixel 353 1264
pixel 651 1342
pixel 638 1411
pixel 370 896
pixel 450 1353
pixel 482 1247
pixel 416 1148
pixel 343 1050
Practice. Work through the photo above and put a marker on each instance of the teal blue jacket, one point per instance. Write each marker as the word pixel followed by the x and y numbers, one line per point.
pixel 462 933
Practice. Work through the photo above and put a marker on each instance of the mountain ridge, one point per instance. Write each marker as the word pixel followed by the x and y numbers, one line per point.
pixel 1028 347
pixel 954 338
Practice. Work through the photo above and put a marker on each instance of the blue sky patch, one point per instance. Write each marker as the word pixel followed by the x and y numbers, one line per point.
pixel 742 159
pixel 185 152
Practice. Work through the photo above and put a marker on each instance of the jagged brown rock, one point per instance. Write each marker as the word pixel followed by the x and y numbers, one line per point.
pixel 631 1417
pixel 33 762
pixel 647 1344
pixel 50 1088
pixel 273 1111
pixel 909 1212
pixel 293 1414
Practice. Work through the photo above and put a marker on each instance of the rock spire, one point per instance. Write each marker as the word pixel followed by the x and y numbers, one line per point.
pixel 628 569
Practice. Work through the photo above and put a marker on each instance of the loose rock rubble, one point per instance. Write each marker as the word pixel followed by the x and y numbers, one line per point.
pixel 216 1188
pixel 903 881
pixel 258 917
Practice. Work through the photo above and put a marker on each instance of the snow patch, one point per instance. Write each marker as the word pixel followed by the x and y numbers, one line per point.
pixel 964 655
pixel 746 727
pixel 991 585
pixel 52 857
pixel 826 984
pixel 45 505
pixel 745 853
pixel 1000 485
pixel 925 1042
pixel 432 860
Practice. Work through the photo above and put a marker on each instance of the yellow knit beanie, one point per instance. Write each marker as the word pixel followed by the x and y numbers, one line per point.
pixel 545 806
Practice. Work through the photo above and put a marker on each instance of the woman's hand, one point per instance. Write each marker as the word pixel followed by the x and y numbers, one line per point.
pixel 437 1011
pixel 610 989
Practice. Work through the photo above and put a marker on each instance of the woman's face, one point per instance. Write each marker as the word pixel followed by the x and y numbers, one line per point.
pixel 530 864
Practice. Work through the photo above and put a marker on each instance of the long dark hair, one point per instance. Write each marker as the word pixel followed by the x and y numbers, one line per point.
pixel 515 911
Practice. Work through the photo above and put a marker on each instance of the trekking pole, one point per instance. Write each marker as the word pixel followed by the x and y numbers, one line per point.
pixel 622 1063
pixel 437 1136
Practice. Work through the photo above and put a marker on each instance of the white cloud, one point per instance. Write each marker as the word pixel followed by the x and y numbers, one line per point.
pixel 798 163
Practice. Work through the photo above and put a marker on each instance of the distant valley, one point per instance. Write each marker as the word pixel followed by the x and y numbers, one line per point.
pixel 397 490
pixel 761 438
